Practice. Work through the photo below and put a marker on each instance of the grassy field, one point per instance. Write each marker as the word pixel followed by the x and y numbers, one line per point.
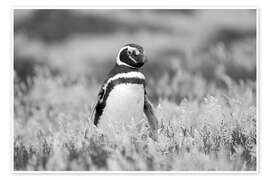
pixel 201 78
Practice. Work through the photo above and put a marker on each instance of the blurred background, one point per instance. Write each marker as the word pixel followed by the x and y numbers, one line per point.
pixel 192 52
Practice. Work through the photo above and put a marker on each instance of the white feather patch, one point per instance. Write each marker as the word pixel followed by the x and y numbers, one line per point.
pixel 138 75
pixel 124 110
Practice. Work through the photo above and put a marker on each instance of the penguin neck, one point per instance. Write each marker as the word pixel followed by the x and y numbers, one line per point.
pixel 117 69
pixel 126 68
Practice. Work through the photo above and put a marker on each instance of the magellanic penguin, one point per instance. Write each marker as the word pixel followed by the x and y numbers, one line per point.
pixel 122 101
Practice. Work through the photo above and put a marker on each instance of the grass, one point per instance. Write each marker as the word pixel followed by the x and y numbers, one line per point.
pixel 211 133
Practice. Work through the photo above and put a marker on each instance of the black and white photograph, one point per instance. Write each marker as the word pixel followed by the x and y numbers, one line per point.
pixel 135 90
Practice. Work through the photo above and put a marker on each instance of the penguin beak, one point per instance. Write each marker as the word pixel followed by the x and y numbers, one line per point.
pixel 145 59
pixel 142 60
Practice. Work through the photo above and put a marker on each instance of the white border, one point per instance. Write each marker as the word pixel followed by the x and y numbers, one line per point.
pixel 138 172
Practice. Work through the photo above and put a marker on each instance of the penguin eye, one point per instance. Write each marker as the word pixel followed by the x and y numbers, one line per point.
pixel 129 52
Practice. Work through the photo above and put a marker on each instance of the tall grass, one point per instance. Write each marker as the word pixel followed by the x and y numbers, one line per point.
pixel 212 132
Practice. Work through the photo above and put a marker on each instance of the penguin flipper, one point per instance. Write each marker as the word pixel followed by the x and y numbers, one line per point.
pixel 151 117
pixel 96 108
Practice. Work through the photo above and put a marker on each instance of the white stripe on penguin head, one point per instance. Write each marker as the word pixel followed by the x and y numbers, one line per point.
pixel 119 62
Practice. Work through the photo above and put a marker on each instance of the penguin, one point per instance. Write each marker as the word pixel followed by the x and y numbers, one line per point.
pixel 122 101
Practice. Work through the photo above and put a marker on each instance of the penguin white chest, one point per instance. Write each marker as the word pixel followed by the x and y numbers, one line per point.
pixel 124 106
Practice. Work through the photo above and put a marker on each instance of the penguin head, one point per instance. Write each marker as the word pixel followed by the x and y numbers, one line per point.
pixel 131 55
